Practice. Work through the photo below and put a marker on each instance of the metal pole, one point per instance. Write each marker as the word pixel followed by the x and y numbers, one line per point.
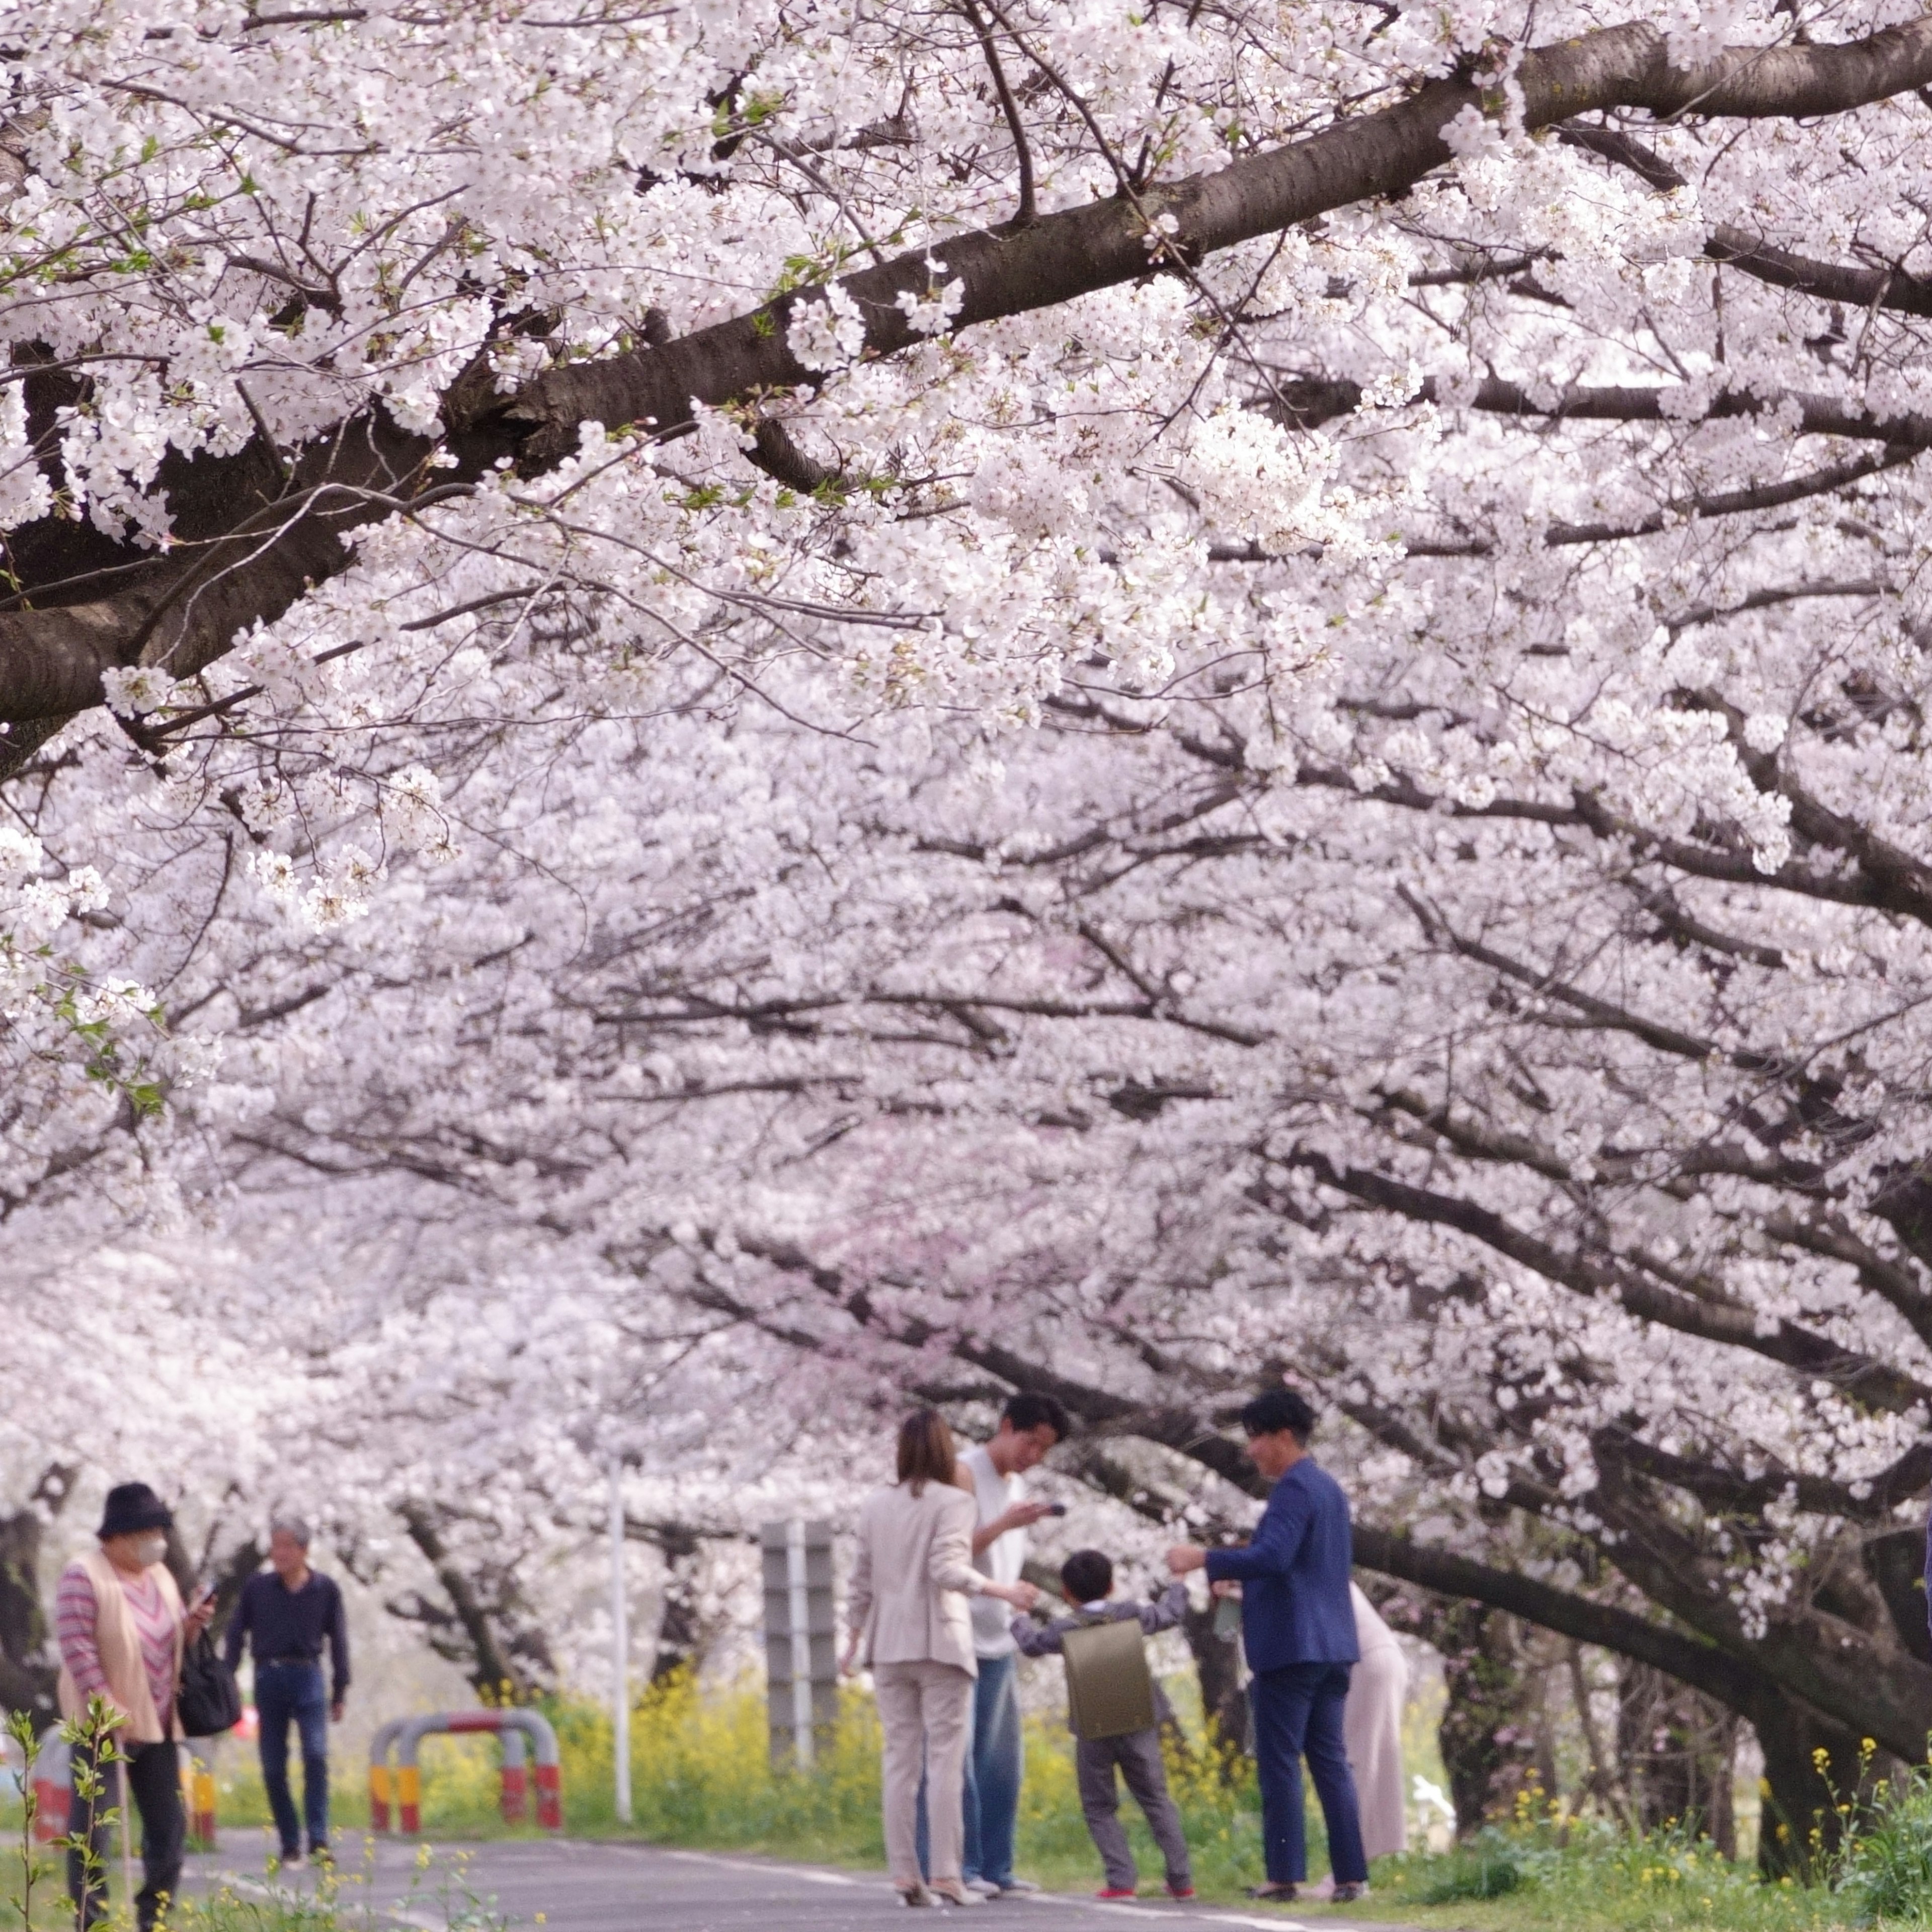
pixel 800 1606
pixel 127 1842
pixel 620 1647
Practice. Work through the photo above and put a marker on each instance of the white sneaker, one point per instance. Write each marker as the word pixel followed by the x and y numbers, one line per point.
pixel 985 1887
pixel 293 1862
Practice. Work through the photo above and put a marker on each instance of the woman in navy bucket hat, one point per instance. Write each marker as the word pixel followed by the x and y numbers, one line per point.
pixel 122 1626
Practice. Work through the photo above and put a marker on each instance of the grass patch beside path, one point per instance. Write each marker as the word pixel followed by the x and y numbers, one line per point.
pixel 1600 1879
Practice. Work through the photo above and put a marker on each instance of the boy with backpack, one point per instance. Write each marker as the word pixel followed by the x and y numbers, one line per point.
pixel 1115 1710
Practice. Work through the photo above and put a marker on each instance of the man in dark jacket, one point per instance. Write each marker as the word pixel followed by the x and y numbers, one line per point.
pixel 1298 1627
pixel 286 1612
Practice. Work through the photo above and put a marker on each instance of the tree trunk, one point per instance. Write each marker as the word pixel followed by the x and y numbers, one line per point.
pixel 680 1623
pixel 1811 1766
pixel 1896 1563
pixel 1677 1751
pixel 237 1568
pixel 1224 1700
pixel 1488 1733
pixel 29 1667
pixel 1495 1734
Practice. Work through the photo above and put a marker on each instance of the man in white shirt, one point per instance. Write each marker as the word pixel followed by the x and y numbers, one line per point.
pixel 1029 1426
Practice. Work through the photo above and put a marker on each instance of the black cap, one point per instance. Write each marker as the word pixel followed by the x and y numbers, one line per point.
pixel 133 1507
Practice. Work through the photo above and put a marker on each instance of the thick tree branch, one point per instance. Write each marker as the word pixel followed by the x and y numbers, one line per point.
pixel 51 662
pixel 1305 402
pixel 1629 1635
pixel 494 1668
pixel 1738 248
pixel 1706 1317
pixel 1724 1489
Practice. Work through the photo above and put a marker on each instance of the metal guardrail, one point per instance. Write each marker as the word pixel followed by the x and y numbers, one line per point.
pixel 400 1792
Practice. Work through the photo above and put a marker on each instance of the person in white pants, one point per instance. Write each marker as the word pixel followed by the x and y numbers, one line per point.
pixel 1371 1730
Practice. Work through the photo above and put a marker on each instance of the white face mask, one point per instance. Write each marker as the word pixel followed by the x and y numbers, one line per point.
pixel 150 1549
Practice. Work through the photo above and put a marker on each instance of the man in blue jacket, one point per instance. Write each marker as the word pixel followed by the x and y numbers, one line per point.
pixel 1298 1628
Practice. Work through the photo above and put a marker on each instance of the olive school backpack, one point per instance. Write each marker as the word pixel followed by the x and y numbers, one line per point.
pixel 1109 1688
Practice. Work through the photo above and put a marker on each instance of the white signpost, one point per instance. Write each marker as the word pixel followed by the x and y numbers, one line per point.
pixel 620 1647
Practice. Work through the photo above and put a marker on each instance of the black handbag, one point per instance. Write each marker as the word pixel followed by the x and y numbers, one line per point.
pixel 210 1702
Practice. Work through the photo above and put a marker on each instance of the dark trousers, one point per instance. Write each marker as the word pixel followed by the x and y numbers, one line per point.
pixel 1137 1755
pixel 1298 1714
pixel 153 1774
pixel 286 1692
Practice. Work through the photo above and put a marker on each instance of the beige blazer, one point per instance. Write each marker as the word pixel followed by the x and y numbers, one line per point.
pixel 121 1659
pixel 913 1575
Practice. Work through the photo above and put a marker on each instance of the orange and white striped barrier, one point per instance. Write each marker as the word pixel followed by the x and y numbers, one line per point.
pixel 402 1790
pixel 53 1787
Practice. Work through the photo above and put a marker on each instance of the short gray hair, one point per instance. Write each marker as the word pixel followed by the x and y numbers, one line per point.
pixel 290 1525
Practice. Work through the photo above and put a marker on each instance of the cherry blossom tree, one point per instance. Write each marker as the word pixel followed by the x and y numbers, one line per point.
pixel 714 715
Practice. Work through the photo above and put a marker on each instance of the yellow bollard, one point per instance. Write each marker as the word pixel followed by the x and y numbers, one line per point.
pixel 197 1780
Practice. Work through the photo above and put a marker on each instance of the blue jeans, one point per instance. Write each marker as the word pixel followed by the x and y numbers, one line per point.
pixel 994 1761
pixel 283 1691
pixel 1298 1714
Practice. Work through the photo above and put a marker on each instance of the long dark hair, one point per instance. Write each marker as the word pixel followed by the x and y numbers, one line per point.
pixel 925 1450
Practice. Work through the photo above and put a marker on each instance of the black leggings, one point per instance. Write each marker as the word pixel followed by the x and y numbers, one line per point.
pixel 153 1772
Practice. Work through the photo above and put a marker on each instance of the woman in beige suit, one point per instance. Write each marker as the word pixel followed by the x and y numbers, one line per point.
pixel 909 1622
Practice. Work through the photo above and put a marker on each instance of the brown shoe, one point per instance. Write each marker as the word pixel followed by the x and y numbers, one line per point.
pixel 1280 1893
pixel 1347 1894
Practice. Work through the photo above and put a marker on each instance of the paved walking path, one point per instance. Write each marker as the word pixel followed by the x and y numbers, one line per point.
pixel 581 1885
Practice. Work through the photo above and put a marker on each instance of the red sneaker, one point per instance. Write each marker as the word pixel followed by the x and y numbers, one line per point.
pixel 1180 1892
pixel 1117 1892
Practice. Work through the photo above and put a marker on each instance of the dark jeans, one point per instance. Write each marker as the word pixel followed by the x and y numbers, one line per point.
pixel 1298 1714
pixel 994 1760
pixel 153 1773
pixel 283 1692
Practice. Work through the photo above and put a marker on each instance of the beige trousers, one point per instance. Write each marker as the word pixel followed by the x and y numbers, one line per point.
pixel 925 1710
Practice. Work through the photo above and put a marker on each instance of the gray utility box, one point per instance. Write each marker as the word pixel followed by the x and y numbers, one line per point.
pixel 801 1639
